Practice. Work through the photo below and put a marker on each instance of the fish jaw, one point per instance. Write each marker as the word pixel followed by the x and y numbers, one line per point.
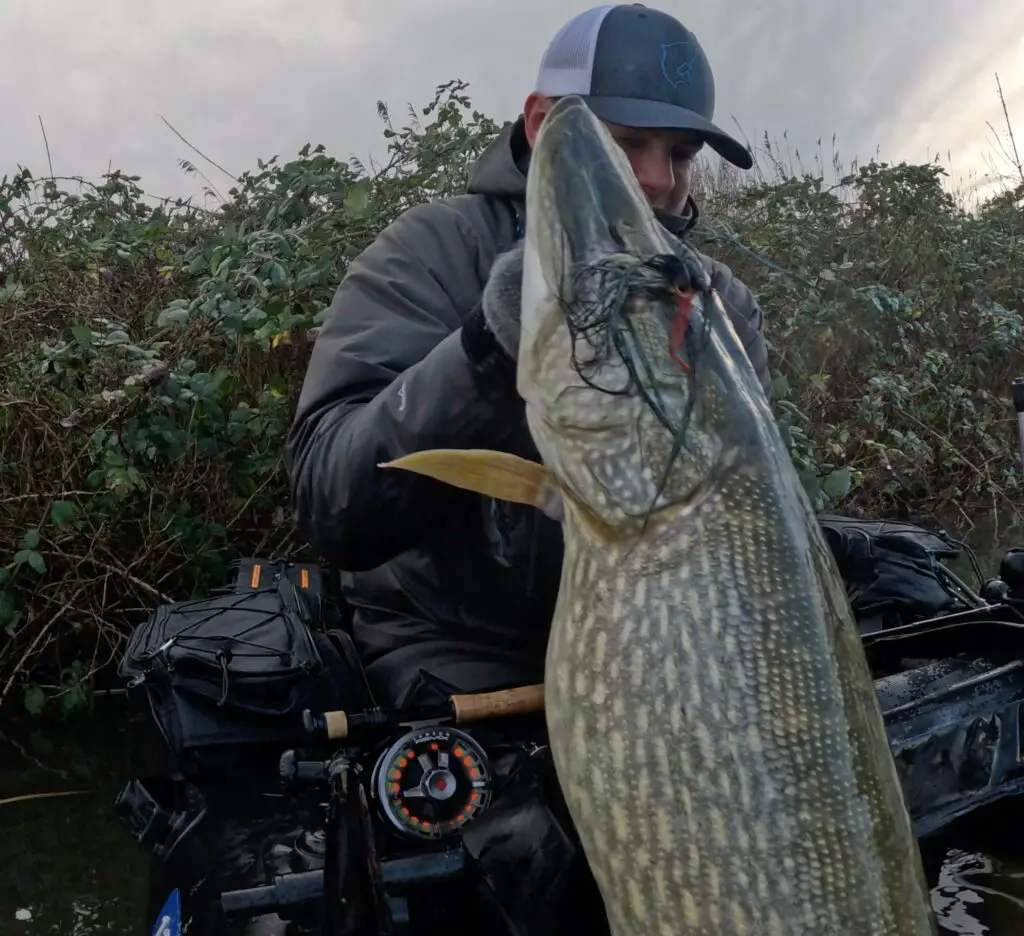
pixel 626 425
pixel 583 203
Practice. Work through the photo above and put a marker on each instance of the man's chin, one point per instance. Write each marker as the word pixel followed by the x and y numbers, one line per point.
pixel 669 208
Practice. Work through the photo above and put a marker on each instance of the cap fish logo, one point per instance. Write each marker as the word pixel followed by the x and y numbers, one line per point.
pixel 677 63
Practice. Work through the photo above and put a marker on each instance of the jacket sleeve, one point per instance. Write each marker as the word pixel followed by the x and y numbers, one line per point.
pixel 389 375
pixel 746 316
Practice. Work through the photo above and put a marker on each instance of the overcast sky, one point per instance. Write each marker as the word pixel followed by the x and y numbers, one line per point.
pixel 249 78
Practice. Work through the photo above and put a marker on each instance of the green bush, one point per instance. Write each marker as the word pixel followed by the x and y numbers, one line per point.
pixel 153 351
pixel 894 316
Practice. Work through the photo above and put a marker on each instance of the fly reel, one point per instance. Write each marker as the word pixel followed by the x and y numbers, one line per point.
pixel 432 781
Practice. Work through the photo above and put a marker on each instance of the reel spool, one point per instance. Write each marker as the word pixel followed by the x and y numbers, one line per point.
pixel 432 781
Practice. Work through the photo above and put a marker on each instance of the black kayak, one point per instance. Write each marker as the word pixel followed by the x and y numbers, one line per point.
pixel 948 664
pixel 252 818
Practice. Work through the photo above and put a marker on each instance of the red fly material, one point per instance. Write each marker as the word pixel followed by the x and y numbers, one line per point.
pixel 680 322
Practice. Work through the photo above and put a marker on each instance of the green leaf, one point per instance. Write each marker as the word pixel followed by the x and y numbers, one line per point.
pixel 9 613
pixel 31 539
pixel 310 276
pixel 357 198
pixel 172 316
pixel 837 483
pixel 62 513
pixel 780 387
pixel 82 334
pixel 32 558
pixel 197 263
pixel 276 273
pixel 35 700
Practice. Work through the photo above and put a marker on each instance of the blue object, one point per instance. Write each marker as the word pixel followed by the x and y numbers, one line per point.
pixel 168 920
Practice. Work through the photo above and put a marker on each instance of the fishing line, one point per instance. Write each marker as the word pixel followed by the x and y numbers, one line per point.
pixel 603 321
pixel 598 311
pixel 605 324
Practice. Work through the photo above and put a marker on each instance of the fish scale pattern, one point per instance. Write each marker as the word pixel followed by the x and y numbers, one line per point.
pixel 701 730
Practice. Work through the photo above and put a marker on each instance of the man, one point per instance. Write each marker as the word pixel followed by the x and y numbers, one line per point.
pixel 451 591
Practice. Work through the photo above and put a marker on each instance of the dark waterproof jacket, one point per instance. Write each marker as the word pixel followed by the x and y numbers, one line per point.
pixel 444 572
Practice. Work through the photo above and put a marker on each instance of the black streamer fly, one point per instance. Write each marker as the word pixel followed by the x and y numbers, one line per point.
pixel 605 324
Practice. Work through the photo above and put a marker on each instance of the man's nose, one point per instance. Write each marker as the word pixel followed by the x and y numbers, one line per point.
pixel 655 173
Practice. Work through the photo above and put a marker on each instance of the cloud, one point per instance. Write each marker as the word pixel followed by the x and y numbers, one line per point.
pixel 248 78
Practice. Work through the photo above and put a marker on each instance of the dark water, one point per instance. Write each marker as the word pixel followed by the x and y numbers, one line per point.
pixel 67 867
pixel 976 893
pixel 65 863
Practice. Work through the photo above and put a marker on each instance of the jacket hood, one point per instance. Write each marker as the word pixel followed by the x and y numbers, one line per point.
pixel 500 171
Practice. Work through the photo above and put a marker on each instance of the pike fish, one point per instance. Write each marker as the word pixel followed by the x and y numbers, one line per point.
pixel 711 714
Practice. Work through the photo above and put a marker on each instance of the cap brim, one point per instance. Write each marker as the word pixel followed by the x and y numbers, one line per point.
pixel 631 112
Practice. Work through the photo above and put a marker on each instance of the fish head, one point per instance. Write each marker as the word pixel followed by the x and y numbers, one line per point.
pixel 638 392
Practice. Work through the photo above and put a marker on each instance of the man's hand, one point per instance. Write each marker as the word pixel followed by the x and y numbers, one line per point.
pixel 502 297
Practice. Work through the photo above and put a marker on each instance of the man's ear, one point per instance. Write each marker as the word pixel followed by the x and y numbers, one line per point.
pixel 535 109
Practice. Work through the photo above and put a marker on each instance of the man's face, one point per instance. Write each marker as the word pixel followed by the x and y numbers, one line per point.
pixel 661 159
pixel 663 162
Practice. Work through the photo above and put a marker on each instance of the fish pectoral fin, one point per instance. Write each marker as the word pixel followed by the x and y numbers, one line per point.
pixel 493 474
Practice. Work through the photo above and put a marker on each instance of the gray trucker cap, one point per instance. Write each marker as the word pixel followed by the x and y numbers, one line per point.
pixel 638 67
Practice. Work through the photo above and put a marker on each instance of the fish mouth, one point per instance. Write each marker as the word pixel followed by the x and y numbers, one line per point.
pixel 603 256
pixel 588 189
